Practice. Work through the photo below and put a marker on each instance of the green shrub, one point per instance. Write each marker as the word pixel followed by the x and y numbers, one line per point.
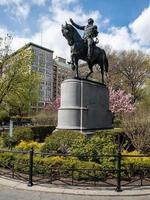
pixel 79 148
pixel 86 149
pixel 41 132
pixel 61 141
pixel 6 159
pixel 19 133
pixel 135 163
pixel 47 165
pixel 32 133
pixel 25 146
pixel 4 116
pixel 8 141
pixel 86 170
pixel 23 133
pixel 133 166
pixel 102 143
pixel 1 141
pixel 21 163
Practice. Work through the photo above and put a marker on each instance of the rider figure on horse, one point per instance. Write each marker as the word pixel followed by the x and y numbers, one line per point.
pixel 90 32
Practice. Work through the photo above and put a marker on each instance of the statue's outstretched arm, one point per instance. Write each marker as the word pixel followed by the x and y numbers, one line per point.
pixel 76 25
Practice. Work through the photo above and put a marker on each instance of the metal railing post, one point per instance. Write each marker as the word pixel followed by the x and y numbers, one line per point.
pixel 119 157
pixel 72 175
pixel 30 182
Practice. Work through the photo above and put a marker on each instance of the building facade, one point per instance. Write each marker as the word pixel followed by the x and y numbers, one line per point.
pixel 52 71
pixel 43 64
pixel 61 71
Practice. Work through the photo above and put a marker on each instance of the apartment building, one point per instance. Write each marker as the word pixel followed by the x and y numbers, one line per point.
pixel 61 71
pixel 53 72
pixel 43 63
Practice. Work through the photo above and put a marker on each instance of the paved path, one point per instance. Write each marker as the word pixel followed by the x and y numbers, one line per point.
pixel 15 190
pixel 9 193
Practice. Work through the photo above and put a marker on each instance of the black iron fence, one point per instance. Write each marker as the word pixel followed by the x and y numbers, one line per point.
pixel 27 166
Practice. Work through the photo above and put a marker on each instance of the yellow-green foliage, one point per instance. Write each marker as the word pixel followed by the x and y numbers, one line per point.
pixel 135 162
pixel 47 165
pixel 61 141
pixel 25 146
pixel 6 159
pixel 1 142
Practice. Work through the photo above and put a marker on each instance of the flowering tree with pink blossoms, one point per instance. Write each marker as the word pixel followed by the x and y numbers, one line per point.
pixel 52 106
pixel 56 104
pixel 120 101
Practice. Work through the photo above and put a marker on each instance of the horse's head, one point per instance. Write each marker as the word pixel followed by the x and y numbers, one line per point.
pixel 68 33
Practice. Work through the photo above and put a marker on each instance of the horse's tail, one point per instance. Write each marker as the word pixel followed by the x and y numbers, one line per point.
pixel 105 61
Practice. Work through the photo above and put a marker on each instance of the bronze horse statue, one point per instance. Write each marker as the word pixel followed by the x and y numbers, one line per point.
pixel 79 51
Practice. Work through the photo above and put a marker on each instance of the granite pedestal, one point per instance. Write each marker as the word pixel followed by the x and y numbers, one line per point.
pixel 84 106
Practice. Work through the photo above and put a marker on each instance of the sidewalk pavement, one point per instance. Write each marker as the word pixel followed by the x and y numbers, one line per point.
pixel 74 190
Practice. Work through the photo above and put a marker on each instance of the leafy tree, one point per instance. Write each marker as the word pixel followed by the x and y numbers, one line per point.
pixel 144 102
pixel 18 84
pixel 4 116
pixel 5 47
pixel 129 70
pixel 137 127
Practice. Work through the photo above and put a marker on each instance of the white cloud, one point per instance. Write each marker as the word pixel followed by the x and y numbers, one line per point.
pixel 22 11
pixel 39 2
pixel 118 39
pixel 141 27
pixel 3 33
pixel 19 42
pixel 51 27
pixel 5 39
pixel 60 12
pixel 16 8
pixel 50 36
pixel 135 36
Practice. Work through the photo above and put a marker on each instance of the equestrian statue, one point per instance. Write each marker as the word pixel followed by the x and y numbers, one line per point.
pixel 85 48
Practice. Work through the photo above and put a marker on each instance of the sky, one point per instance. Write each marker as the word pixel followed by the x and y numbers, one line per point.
pixel 122 24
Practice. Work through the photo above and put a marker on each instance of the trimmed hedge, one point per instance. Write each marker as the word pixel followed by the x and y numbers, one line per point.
pixel 65 165
pixel 61 141
pixel 35 133
pixel 23 133
pixel 42 131
pixel 38 133
pixel 84 148
pixel 135 163
pixel 43 165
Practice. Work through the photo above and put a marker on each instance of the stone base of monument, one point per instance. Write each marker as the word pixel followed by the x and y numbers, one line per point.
pixel 84 106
